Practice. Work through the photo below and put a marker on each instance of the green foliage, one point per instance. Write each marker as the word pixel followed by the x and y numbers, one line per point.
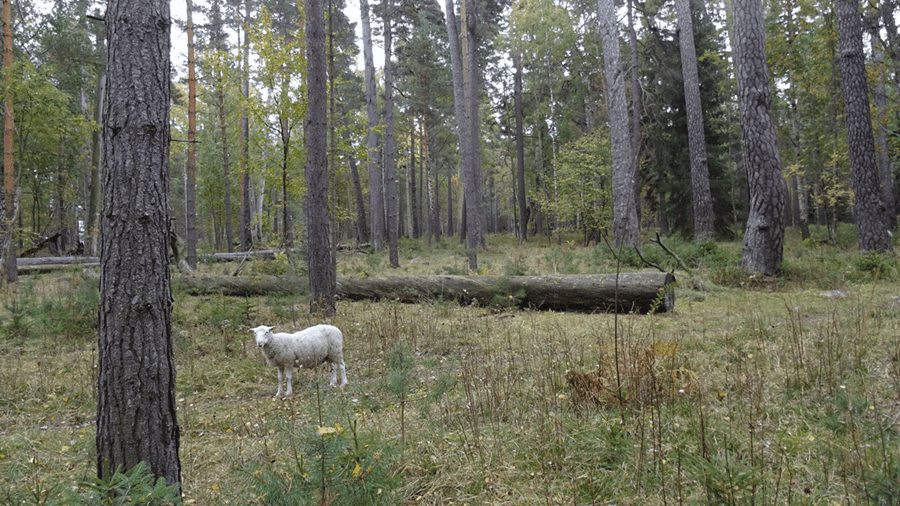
pixel 277 267
pixel 665 168
pixel 400 362
pixel 584 174
pixel 333 463
pixel 69 314
pixel 135 486
pixel 563 260
pixel 873 265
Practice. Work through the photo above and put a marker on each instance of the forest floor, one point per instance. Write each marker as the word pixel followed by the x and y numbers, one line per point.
pixel 769 390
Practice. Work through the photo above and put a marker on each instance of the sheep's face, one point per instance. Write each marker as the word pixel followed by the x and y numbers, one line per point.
pixel 262 335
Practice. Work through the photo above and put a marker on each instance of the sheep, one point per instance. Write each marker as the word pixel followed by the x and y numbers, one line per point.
pixel 308 348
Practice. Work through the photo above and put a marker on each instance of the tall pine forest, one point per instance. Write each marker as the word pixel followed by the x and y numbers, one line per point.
pixel 532 87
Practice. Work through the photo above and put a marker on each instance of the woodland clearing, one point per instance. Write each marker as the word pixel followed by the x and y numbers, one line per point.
pixel 778 390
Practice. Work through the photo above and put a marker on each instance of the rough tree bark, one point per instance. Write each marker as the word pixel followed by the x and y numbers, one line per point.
pixel 764 236
pixel 318 222
pixel 136 417
pixel 701 197
pixel 624 168
pixel 869 208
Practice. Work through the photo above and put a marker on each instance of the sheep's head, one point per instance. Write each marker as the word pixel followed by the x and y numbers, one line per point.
pixel 262 335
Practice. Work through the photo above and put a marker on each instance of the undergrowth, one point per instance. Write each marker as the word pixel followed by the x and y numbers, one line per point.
pixel 758 391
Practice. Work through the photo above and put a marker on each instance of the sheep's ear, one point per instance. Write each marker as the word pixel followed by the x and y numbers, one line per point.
pixel 273 328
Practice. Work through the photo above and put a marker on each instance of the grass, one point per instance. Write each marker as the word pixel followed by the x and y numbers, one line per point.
pixel 760 391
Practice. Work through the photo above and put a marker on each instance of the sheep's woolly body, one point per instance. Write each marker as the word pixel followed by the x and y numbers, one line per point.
pixel 308 348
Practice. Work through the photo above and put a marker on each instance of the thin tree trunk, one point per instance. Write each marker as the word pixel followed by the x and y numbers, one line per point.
pixel 246 205
pixel 475 224
pixel 91 229
pixel 287 224
pixel 883 150
pixel 520 147
pixel 190 188
pixel 390 177
pixel 636 109
pixel 376 180
pixel 362 222
pixel 625 222
pixel 319 251
pixel 701 197
pixel 413 199
pixel 8 241
pixel 459 104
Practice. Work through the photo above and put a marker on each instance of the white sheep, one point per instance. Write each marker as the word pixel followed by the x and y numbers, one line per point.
pixel 308 348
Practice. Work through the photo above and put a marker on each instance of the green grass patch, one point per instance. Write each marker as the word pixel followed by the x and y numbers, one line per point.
pixel 754 390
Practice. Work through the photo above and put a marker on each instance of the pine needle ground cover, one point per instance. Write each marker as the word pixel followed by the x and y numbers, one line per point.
pixel 756 391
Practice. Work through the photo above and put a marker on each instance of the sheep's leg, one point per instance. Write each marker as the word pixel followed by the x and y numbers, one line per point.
pixel 290 375
pixel 280 374
pixel 334 369
pixel 333 375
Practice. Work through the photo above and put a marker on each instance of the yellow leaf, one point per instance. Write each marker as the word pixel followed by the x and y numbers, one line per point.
pixel 356 470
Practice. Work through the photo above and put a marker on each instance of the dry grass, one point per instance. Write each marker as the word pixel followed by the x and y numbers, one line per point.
pixel 764 392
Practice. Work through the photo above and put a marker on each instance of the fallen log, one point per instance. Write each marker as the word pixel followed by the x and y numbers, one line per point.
pixel 241 255
pixel 629 292
pixel 68 260
pixel 241 286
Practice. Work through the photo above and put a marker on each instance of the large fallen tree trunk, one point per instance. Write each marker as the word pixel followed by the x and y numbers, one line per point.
pixel 638 292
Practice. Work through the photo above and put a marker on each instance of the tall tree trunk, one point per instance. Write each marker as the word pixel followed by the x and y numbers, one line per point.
pixel 93 212
pixel 246 205
pixel 459 105
pixel 869 208
pixel 700 194
pixel 391 205
pixel 287 223
pixel 190 187
pixel 464 69
pixel 362 222
pixel 413 200
pixel 376 180
pixel 472 179
pixel 136 414
pixel 636 109
pixel 226 167
pixel 451 227
pixel 322 276
pixel 520 146
pixel 885 171
pixel 764 237
pixel 625 222
pixel 8 241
